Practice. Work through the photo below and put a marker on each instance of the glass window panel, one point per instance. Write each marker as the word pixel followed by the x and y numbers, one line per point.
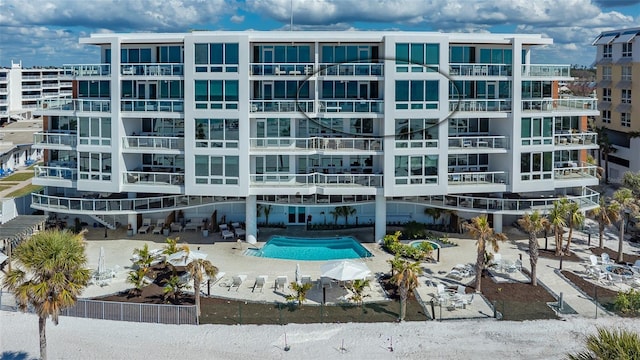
pixel 352 53
pixel 216 130
pixel 485 56
pixel 496 56
pixel 231 53
pixel 508 56
pixel 201 129
pixel 340 90
pixel 456 54
pixel 231 166
pixel 202 165
pixel 352 89
pixel 127 88
pixel 417 90
pixel 433 54
pixel 402 90
pixel 216 166
pixel 292 54
pixel 536 161
pixel 327 89
pixel 431 90
pixel 402 166
pixel 124 56
pixel 202 53
pixel 537 127
pixel 303 91
pixel 279 90
pixel 145 55
pixel 547 161
pixel 231 132
pixel 525 130
pixel 216 53
pixel 134 55
pixel 402 53
pixel 327 54
pixel 525 162
pixel 417 53
pixel 175 54
pixel 231 90
pixel 547 127
pixel 416 165
pixel 292 89
pixel 304 54
pixel 201 90
pixel 84 127
pixel 280 54
pixel 340 54
pixel 215 90
pixel 106 128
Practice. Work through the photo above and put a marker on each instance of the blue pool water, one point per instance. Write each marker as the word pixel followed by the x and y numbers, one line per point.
pixel 417 243
pixel 290 248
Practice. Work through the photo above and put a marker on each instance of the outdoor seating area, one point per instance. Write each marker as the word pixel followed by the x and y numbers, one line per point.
pixel 606 272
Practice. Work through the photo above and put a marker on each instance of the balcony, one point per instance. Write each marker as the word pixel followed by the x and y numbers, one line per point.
pixel 75 105
pixel 87 70
pixel 46 140
pixel 160 69
pixel 317 143
pixel 291 105
pixel 357 106
pixel 479 105
pixel 153 178
pixel 153 142
pixel 55 172
pixel 479 142
pixel 571 170
pixel 546 70
pixel 351 69
pixel 279 69
pixel 152 105
pixel 581 140
pixel 477 178
pixel 479 69
pixel 558 105
pixel 316 179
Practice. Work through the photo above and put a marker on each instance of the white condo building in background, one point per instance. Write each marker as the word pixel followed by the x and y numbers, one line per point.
pixel 170 127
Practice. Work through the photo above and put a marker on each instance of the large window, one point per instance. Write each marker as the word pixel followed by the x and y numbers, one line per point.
pixel 95 166
pixel 216 94
pixel 606 94
pixel 536 131
pixel 416 170
pixel 94 131
pixel 606 116
pixel 468 126
pixel 536 166
pixel 462 54
pixel 416 55
pixel 496 56
pixel 135 56
pixel 217 133
pixel 468 163
pixel 607 50
pixel 606 73
pixel 626 73
pixel 417 94
pixel 292 89
pixel 626 96
pixel 223 57
pixel 270 54
pixel 165 89
pixel 337 54
pixel 170 54
pixel 94 89
pixel 416 133
pixel 216 170
pixel 625 119
pixel 536 89
pixel 348 90
pixel 63 124
pixel 627 49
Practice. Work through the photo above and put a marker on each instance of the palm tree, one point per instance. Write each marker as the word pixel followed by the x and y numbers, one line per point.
pixel 266 210
pixel 300 290
pixel 198 268
pixel 557 217
pixel 144 257
pixel 627 203
pixel 171 246
pixel 406 279
pixel 173 287
pixel 606 214
pixel 605 149
pixel 336 213
pixel 50 275
pixel 483 233
pixel 610 344
pixel 357 286
pixel 347 211
pixel 576 218
pixel 533 225
pixel 136 278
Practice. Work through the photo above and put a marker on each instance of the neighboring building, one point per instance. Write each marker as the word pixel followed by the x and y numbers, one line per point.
pixel 22 89
pixel 618 74
pixel 170 126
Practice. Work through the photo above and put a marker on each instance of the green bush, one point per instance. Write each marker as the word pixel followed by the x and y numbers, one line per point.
pixel 628 302
pixel 394 246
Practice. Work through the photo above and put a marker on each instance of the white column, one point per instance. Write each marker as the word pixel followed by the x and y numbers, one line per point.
pixel 381 218
pixel 497 223
pixel 132 219
pixel 250 220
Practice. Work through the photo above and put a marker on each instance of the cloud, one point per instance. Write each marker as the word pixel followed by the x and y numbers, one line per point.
pixel 237 19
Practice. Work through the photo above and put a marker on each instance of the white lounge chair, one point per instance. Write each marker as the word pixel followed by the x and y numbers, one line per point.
pixel 260 281
pixel 146 224
pixel 240 232
pixel 158 228
pixel 305 279
pixel 281 282
pixel 218 277
pixel 497 261
pixel 237 281
pixel 324 281
pixel 226 234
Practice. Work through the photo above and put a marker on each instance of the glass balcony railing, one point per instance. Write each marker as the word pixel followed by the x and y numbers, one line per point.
pixel 475 105
pixel 576 139
pixel 54 140
pixel 477 178
pixel 316 179
pixel 479 142
pixel 278 69
pixel 152 178
pixel 87 70
pixel 55 173
pixel 571 170
pixel 80 105
pixel 160 69
pixel 351 69
pixel 282 106
pixel 359 106
pixel 479 69
pixel 317 143
pixel 152 105
pixel 542 70
pixel 153 142
pixel 561 104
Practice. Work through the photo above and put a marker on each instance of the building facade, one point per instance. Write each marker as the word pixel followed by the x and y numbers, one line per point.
pixel 618 75
pixel 292 126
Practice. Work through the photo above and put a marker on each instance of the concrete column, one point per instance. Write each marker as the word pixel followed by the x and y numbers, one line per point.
pixel 497 223
pixel 250 220
pixel 132 219
pixel 381 218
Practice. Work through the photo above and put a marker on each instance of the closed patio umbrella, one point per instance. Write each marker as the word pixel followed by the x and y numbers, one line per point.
pixel 298 280
pixel 343 270
pixel 101 266
pixel 183 258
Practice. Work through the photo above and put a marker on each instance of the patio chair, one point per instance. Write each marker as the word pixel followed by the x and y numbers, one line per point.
pixel 226 234
pixel 305 279
pixel 260 281
pixel 443 296
pixel 514 266
pixel 281 283
pixel 454 274
pixel 217 278
pixel 158 228
pixel 324 282
pixel 497 261
pixel 240 232
pixel 146 224
pixel 606 260
pixel 237 281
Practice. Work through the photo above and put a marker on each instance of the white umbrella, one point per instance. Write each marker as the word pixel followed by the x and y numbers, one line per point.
pixel 298 280
pixel 183 258
pixel 343 270
pixel 252 239
pixel 101 266
pixel 3 257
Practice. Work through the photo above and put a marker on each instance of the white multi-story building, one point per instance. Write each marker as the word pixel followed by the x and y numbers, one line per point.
pixel 302 123
pixel 22 89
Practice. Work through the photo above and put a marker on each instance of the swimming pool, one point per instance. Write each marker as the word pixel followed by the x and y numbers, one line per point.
pixel 417 243
pixel 312 249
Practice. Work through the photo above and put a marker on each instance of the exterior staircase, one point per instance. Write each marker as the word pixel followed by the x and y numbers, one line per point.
pixel 102 219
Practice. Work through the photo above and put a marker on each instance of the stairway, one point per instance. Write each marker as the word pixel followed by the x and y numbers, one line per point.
pixel 102 219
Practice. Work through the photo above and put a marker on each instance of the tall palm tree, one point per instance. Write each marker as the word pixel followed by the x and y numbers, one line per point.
pixel 606 214
pixel 198 268
pixel 533 225
pixel 347 211
pixel 406 279
pixel 558 219
pixel 605 149
pixel 483 233
pixel 136 278
pixel 50 275
pixel 336 213
pixel 627 203
pixel 575 217
pixel 266 210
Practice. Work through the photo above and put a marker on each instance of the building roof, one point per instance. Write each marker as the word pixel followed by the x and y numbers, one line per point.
pixel 616 36
pixel 21 227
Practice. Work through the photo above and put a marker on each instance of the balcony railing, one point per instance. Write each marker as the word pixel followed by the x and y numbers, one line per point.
pixel 160 69
pixel 153 142
pixel 546 70
pixel 87 70
pixel 152 105
pixel 317 143
pixel 82 105
pixel 55 172
pixel 480 105
pixel 282 105
pixel 477 178
pixel 576 139
pixel 317 179
pixel 571 171
pixel 54 140
pixel 563 104
pixel 153 178
pixel 479 142
pixel 359 106
pixel 351 69
pixel 479 69
pixel 305 69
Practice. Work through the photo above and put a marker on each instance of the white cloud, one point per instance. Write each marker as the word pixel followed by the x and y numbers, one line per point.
pixel 237 19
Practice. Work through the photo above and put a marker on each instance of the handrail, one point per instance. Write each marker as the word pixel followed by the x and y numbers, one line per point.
pixel 544 70
pixel 152 178
pixel 152 69
pixel 282 105
pixel 69 104
pixel 145 105
pixel 351 69
pixel 316 179
pixel 584 138
pixel 280 69
pixel 317 143
pixel 477 177
pixel 478 69
pixel 345 105
pixel 560 104
pixel 55 172
pixel 87 70
pixel 43 138
pixel 153 142
pixel 479 104
pixel 479 142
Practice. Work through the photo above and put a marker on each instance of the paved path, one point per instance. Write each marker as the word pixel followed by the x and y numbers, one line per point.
pixel 15 185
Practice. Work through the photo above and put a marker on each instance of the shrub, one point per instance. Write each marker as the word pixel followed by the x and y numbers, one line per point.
pixel 628 302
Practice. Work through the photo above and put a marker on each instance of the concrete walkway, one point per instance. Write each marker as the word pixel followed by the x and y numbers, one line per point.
pixel 13 186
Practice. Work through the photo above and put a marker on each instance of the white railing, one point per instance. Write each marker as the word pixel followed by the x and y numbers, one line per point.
pixel 152 105
pixel 47 139
pixel 486 177
pixel 318 143
pixel 562 104
pixel 316 179
pixel 87 70
pixel 305 69
pixel 479 142
pixel 480 105
pixel 542 70
pixel 153 178
pixel 571 171
pixel 153 142
pixel 351 69
pixel 363 106
pixel 50 86
pixel 55 172
pixel 292 105
pixel 156 69
pixel 479 69
pixel 31 86
pixel 81 105
pixel 573 139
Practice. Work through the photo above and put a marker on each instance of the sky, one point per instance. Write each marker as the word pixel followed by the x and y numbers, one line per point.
pixel 46 32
